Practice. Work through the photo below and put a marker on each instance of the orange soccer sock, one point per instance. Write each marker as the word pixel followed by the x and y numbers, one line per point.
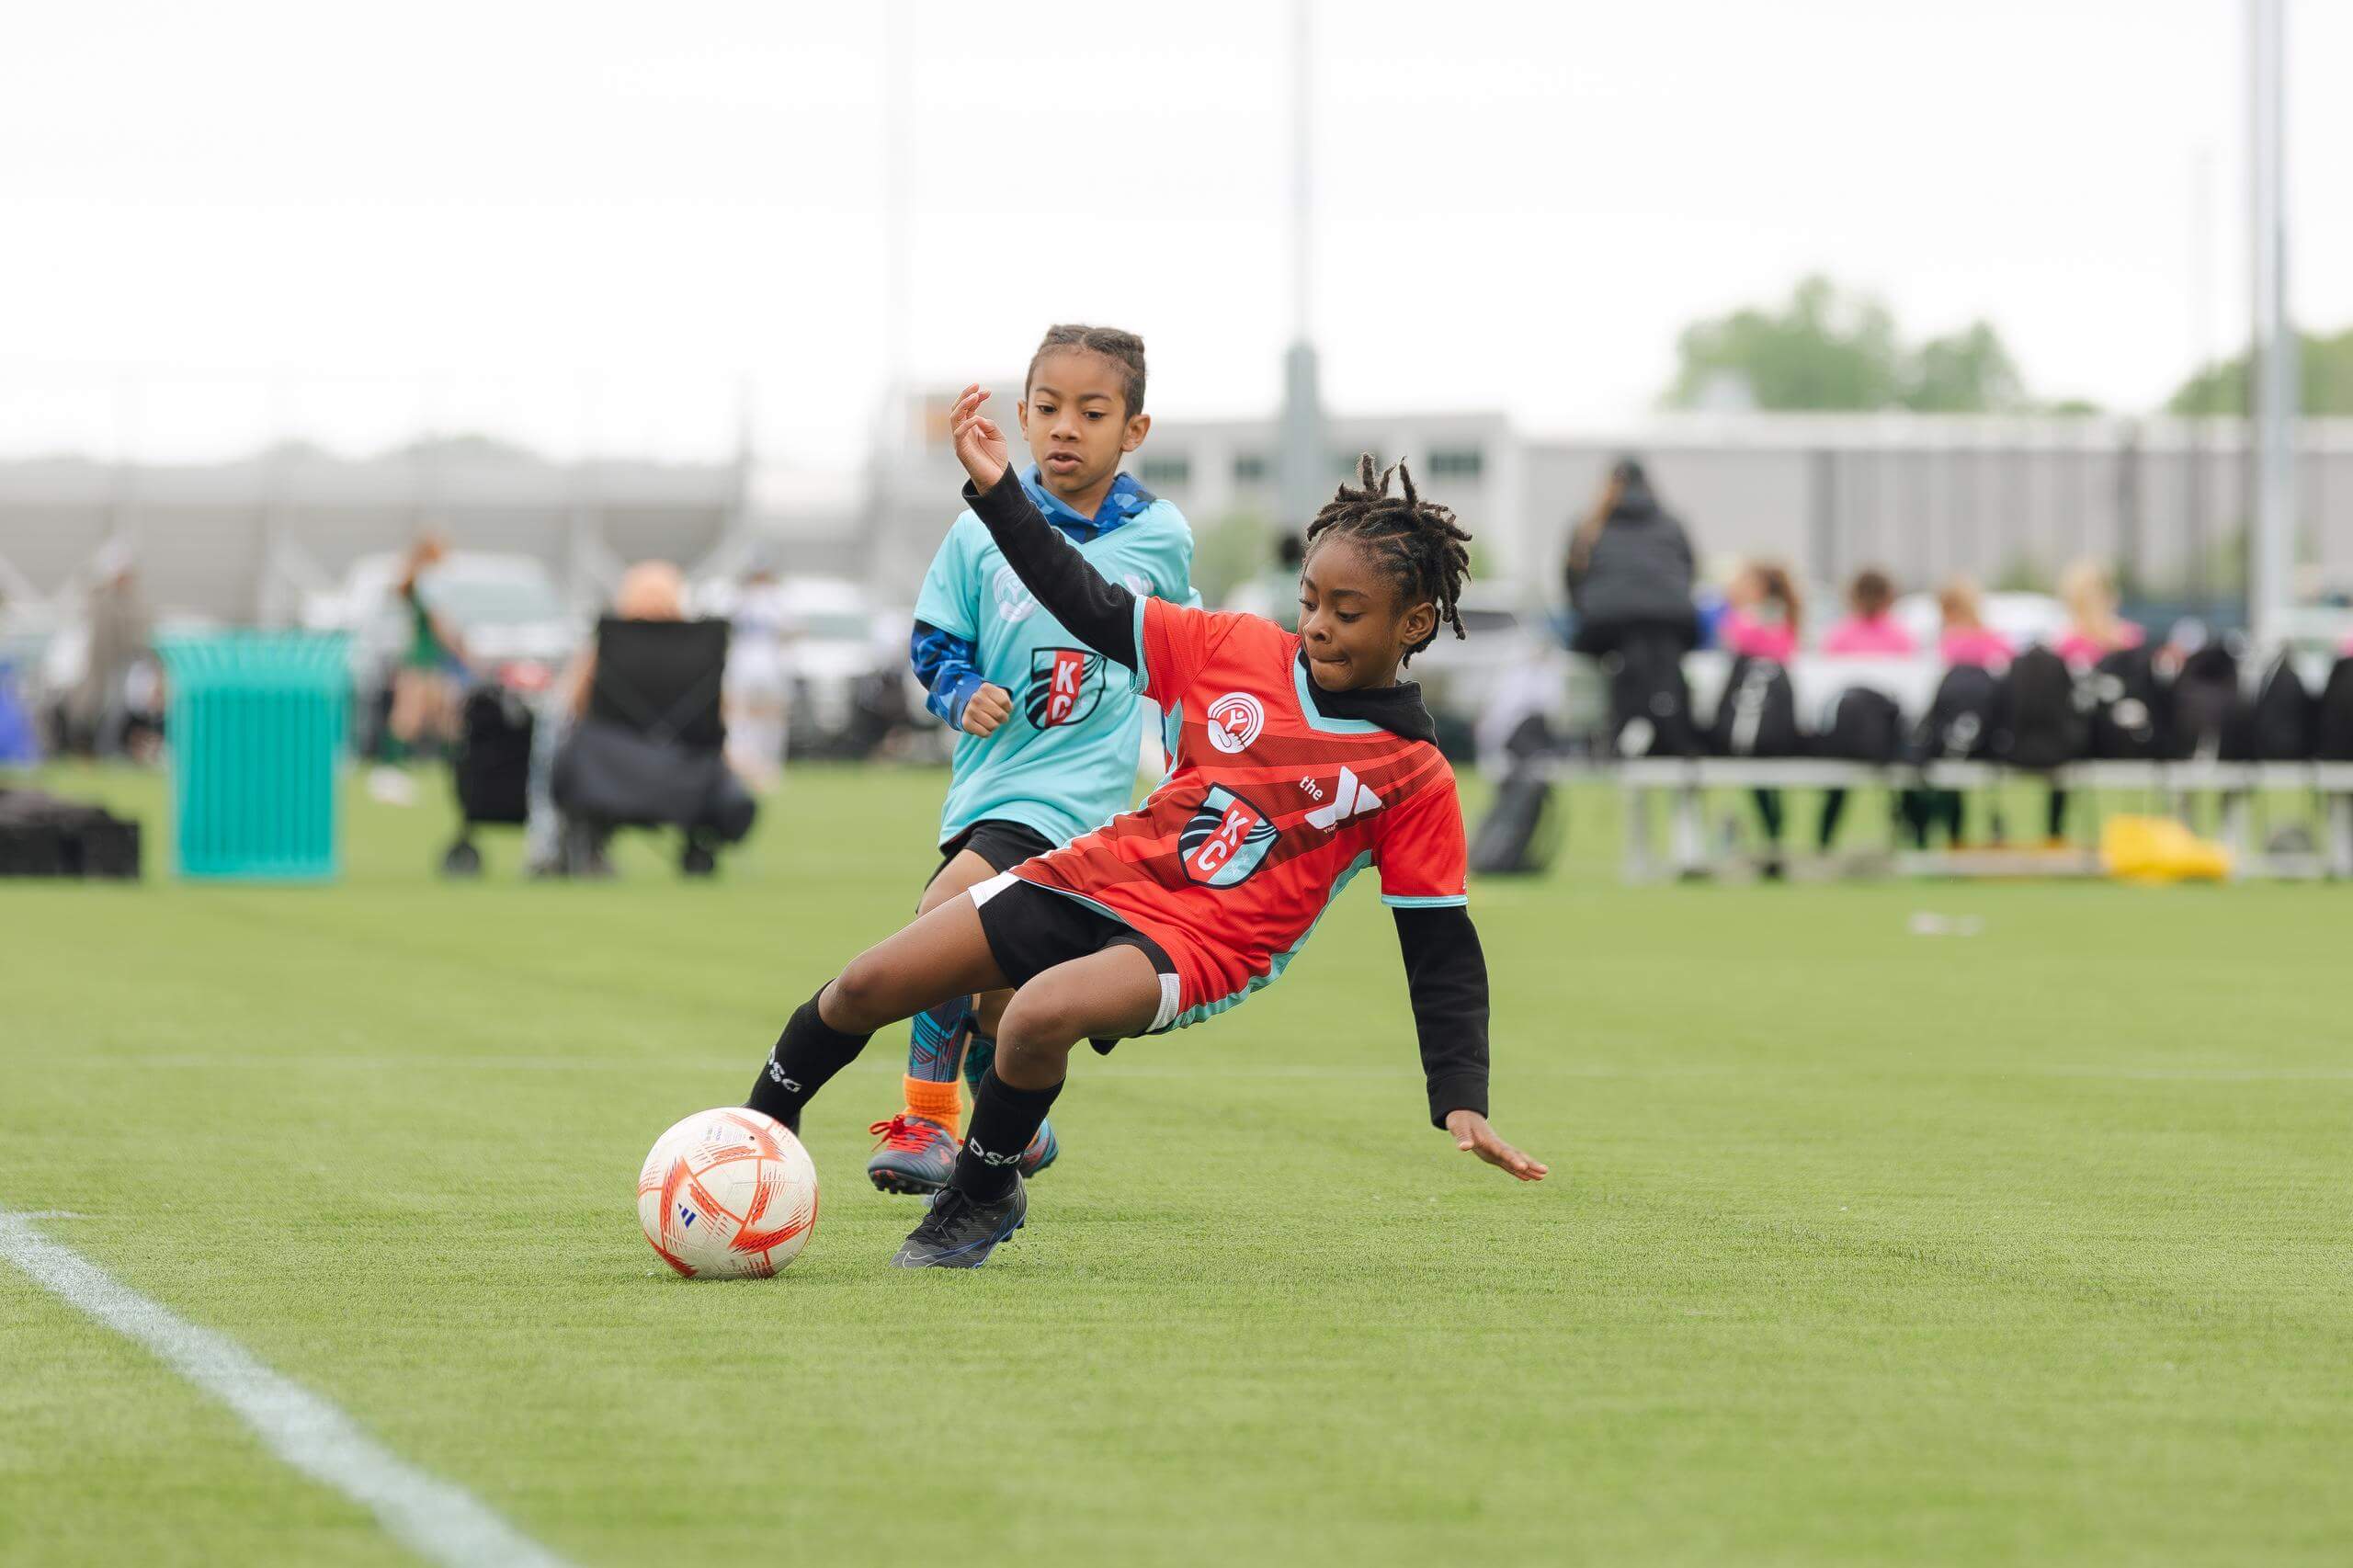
pixel 942 1103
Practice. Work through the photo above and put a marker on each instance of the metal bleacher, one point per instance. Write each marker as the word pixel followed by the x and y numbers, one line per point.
pixel 1664 798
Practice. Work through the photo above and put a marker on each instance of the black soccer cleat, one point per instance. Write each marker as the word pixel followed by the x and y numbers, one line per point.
pixel 961 1232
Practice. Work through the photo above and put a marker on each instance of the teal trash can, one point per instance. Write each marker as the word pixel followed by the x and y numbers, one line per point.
pixel 255 727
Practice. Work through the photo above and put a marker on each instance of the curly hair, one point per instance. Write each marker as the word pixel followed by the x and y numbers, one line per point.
pixel 1124 349
pixel 1418 542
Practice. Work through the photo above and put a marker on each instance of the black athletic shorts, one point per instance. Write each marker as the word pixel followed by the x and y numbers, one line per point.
pixel 1030 930
pixel 1004 844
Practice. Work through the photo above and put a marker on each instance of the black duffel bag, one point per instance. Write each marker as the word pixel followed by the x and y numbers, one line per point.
pixel 41 836
pixel 610 775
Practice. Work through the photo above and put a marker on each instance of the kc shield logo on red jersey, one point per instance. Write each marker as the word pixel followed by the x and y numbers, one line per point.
pixel 1226 839
pixel 1066 684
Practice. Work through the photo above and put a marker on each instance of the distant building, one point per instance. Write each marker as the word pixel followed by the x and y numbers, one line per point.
pixel 2003 499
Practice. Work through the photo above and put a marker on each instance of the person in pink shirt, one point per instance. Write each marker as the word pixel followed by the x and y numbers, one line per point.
pixel 2094 631
pixel 1869 630
pixel 2094 628
pixel 1761 620
pixel 1967 640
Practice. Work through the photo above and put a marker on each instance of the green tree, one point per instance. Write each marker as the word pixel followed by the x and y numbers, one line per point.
pixel 1969 372
pixel 1824 350
pixel 1829 348
pixel 2325 374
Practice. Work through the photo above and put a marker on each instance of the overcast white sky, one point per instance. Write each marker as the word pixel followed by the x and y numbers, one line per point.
pixel 590 224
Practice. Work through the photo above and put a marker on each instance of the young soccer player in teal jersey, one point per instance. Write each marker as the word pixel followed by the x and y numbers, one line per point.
pixel 1051 734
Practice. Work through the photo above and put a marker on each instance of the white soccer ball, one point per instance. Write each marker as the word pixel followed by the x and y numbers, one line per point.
pixel 727 1194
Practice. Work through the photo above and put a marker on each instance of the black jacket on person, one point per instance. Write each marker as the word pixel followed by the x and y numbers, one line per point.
pixel 1638 571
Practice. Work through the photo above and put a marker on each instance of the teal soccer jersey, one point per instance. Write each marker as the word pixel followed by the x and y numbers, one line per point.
pixel 1063 761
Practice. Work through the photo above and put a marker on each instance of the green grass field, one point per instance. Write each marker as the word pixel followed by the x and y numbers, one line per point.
pixel 1860 1246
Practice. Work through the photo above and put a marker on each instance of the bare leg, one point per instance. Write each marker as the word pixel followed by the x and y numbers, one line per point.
pixel 1110 995
pixel 942 954
pixel 1113 992
pixel 410 697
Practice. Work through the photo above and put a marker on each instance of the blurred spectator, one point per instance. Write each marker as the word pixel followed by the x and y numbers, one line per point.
pixel 651 590
pixel 97 709
pixel 19 738
pixel 1629 576
pixel 759 683
pixel 1762 613
pixel 1869 630
pixel 2094 631
pixel 1965 642
pixel 1966 639
pixel 1629 570
pixel 425 685
pixel 2094 628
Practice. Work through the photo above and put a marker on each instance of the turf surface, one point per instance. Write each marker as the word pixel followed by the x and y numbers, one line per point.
pixel 1860 1246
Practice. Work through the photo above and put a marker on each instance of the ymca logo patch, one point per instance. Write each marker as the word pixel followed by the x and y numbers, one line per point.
pixel 1014 603
pixel 1234 720
pixel 1226 839
pixel 1066 685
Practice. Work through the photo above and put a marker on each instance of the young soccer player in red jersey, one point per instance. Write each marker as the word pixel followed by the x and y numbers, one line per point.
pixel 1301 760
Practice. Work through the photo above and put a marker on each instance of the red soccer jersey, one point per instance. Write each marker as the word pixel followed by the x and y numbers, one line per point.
pixel 1270 807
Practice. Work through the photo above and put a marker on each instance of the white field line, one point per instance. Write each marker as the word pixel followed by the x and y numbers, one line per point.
pixel 438 1521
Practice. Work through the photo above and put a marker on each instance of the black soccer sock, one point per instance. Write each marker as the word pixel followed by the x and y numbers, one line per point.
pixel 808 1053
pixel 1004 1120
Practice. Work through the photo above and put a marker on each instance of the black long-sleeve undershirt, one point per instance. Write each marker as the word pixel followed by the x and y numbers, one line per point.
pixel 1446 972
pixel 1099 612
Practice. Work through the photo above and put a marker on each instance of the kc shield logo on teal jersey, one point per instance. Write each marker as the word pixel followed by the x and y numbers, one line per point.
pixel 1226 839
pixel 1065 685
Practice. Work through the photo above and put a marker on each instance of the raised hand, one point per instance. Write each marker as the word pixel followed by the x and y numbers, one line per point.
pixel 986 708
pixel 980 445
pixel 1474 1136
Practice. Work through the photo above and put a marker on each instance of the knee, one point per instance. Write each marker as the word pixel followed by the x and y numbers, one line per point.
pixel 1037 1027
pixel 989 1016
pixel 857 999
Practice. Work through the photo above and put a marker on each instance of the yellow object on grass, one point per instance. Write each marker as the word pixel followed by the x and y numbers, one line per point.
pixel 2159 849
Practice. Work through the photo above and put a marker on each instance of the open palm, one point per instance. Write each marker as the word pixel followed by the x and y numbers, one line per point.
pixel 980 445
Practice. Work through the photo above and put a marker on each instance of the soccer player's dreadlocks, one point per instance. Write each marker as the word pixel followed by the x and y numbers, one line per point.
pixel 1424 549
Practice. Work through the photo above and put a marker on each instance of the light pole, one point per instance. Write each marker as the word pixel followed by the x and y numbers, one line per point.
pixel 1300 477
pixel 2271 379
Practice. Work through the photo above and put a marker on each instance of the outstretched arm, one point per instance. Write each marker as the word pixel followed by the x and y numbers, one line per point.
pixel 1100 614
pixel 1447 976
